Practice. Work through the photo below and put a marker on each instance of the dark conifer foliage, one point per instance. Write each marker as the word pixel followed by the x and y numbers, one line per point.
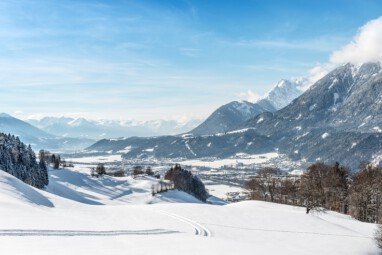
pixel 185 181
pixel 20 161
pixel 100 169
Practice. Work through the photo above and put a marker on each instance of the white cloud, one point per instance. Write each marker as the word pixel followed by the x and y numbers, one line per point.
pixel 366 46
pixel 316 73
pixel 250 96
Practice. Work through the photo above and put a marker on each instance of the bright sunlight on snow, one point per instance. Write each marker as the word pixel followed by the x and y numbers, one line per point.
pixel 109 215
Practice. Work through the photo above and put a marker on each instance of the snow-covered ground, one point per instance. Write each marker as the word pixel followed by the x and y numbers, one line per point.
pixel 97 159
pixel 232 162
pixel 78 214
pixel 221 190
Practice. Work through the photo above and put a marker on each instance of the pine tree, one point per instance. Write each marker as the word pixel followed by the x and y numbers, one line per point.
pixel 44 172
pixel 185 181
pixel 100 169
pixel 19 160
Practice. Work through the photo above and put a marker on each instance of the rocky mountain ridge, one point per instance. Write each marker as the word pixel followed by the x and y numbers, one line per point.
pixel 339 118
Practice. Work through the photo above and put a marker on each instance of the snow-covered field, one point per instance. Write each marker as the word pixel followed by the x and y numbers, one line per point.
pixel 78 214
pixel 240 159
pixel 97 159
pixel 221 190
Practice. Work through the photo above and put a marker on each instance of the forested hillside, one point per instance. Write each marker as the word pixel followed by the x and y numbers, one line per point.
pixel 19 160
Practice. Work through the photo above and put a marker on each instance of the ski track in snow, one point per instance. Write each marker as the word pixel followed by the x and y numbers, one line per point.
pixel 45 232
pixel 291 231
pixel 200 230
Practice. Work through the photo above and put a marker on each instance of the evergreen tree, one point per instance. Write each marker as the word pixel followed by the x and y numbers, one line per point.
pixel 56 162
pixel 100 169
pixel 185 181
pixel 44 172
pixel 19 160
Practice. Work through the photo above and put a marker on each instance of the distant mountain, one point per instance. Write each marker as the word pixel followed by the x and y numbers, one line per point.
pixel 98 129
pixel 186 146
pixel 25 131
pixel 225 118
pixel 284 92
pixel 339 118
pixel 38 138
pixel 229 116
pixel 348 99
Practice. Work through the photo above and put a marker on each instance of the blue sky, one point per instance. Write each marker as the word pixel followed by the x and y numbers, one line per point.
pixel 161 59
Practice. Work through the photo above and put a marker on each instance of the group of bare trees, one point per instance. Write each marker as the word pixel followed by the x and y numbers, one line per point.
pixel 331 187
pixel 162 186
pixel 325 186
pixel 366 194
pixel 271 184
pixel 101 170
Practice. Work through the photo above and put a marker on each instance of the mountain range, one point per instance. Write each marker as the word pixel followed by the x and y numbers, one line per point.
pixel 229 116
pixel 339 118
pixel 98 129
pixel 225 118
pixel 38 138
pixel 69 134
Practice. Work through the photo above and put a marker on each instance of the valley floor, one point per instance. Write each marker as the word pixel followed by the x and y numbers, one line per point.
pixel 78 214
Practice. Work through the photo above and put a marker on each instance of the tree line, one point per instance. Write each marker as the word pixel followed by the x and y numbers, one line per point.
pixel 101 170
pixel 19 160
pixel 332 187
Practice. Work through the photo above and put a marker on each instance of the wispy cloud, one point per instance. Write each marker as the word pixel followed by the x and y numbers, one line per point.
pixel 142 58
pixel 190 52
pixel 314 44
pixel 249 96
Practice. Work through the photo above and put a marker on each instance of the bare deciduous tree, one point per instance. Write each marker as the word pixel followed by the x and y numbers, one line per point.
pixel 366 194
pixel 265 183
pixel 378 236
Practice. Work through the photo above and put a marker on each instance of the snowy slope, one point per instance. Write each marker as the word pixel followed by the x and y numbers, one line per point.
pixel 41 222
pixel 9 124
pixel 229 116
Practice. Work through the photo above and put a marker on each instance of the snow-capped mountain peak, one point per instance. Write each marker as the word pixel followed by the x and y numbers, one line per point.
pixel 78 122
pixel 81 127
pixel 285 91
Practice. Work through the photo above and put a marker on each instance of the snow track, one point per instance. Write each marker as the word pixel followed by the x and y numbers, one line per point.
pixel 42 232
pixel 200 230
